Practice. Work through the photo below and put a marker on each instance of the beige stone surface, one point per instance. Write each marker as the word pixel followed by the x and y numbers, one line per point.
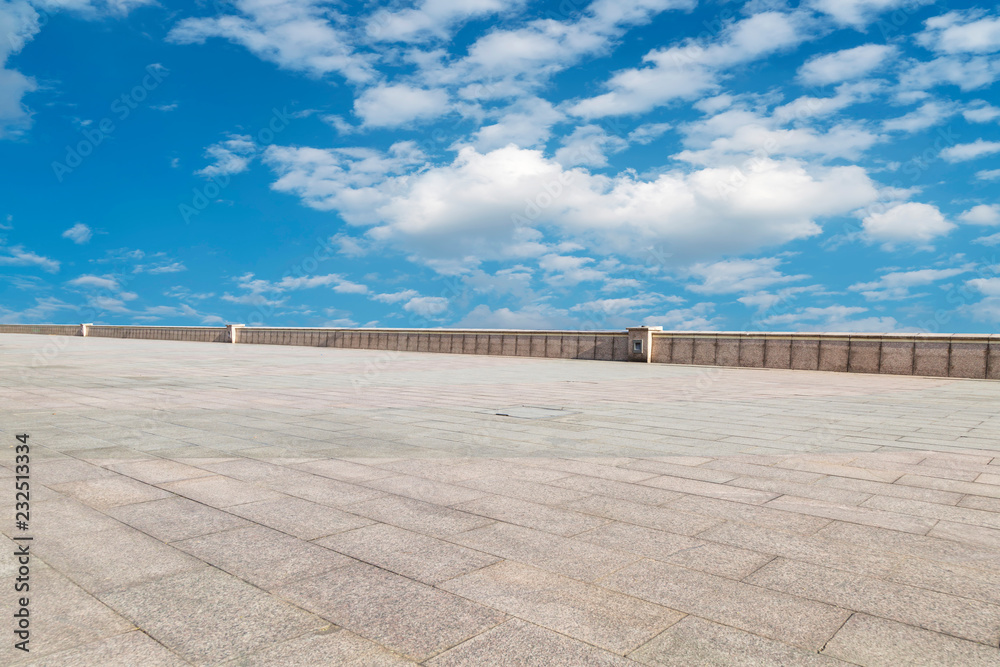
pixel 282 505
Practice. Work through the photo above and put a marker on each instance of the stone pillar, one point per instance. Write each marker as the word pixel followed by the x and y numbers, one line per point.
pixel 640 343
pixel 233 332
pixel 83 328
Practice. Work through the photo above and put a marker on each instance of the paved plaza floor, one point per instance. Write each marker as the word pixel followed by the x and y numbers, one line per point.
pixel 214 504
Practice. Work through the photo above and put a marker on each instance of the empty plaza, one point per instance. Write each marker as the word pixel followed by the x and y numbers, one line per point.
pixel 211 504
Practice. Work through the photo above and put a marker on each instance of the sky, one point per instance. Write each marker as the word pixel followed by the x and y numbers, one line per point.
pixel 826 165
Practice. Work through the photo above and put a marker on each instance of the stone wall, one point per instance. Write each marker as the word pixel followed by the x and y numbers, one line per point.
pixel 938 355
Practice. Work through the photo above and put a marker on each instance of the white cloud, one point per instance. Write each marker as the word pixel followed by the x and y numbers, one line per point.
pixel 99 282
pixel 696 318
pixel 648 132
pixel 172 267
pixel 432 19
pixel 896 285
pixel 426 306
pixel 294 34
pixel 831 318
pixel 231 156
pixel 857 13
pixel 846 65
pixel 526 123
pixel 19 23
pixel 396 297
pixel 961 32
pixel 987 286
pixel 534 317
pixel 928 115
pixel 18 256
pixel 689 71
pixel 395 105
pixel 588 145
pixel 910 222
pixel 980 111
pixel 479 206
pixel 739 275
pixel 983 214
pixel 988 175
pixel 977 149
pixel 78 233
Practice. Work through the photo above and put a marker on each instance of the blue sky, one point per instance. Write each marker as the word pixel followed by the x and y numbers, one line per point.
pixel 828 165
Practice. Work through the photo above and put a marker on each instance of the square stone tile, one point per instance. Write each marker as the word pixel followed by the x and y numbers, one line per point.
pixel 407 553
pixel 960 617
pixel 175 518
pixel 63 615
pixel 879 642
pixel 401 614
pixel 219 491
pixel 112 559
pixel 794 620
pixel 208 616
pixel 124 650
pixel 158 471
pixel 105 492
pixel 520 644
pixel 697 554
pixel 695 641
pixel 614 622
pixel 328 646
pixel 300 518
pixel 262 556
pixel 571 557
pixel 531 515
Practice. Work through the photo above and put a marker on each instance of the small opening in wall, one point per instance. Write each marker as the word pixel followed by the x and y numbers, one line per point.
pixel 637 346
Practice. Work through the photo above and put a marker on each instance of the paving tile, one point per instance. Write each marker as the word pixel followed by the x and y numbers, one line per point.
pixel 321 490
pixel 208 616
pixel 523 490
pixel 696 554
pixel 124 650
pixel 676 470
pixel 794 620
pixel 343 470
pixel 960 617
pixel 399 613
pixel 418 516
pixel 862 515
pixel 966 534
pixel 571 557
pixel 112 559
pixel 105 492
pixel 609 620
pixel 785 487
pixel 661 518
pixel 219 491
pixel 531 515
pixel 328 646
pixel 946 513
pixel 410 554
pixel 63 615
pixel 300 518
pixel 742 469
pixel 695 641
pixel 615 489
pixel 175 518
pixel 893 490
pixel 921 546
pixel 158 471
pixel 710 490
pixel 63 470
pixel 520 644
pixel 879 642
pixel 766 516
pixel 262 556
pixel 591 468
pixel 426 490
pixel 970 488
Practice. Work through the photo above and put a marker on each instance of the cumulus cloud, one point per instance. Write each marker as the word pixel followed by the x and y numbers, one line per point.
pixel 983 214
pixel 526 123
pixel 19 23
pixel 908 223
pixel 831 318
pixel 293 34
pixel 846 65
pixel 78 233
pixel 961 32
pixel 896 285
pixel 18 256
pixel 426 306
pixel 230 156
pixel 972 151
pixel 399 104
pixel 688 71
pixel 534 316
pixel 432 19
pixel 480 205
pixel 739 275
pixel 857 13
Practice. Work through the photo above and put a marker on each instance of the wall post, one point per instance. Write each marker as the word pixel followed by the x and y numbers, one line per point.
pixel 233 332
pixel 640 343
